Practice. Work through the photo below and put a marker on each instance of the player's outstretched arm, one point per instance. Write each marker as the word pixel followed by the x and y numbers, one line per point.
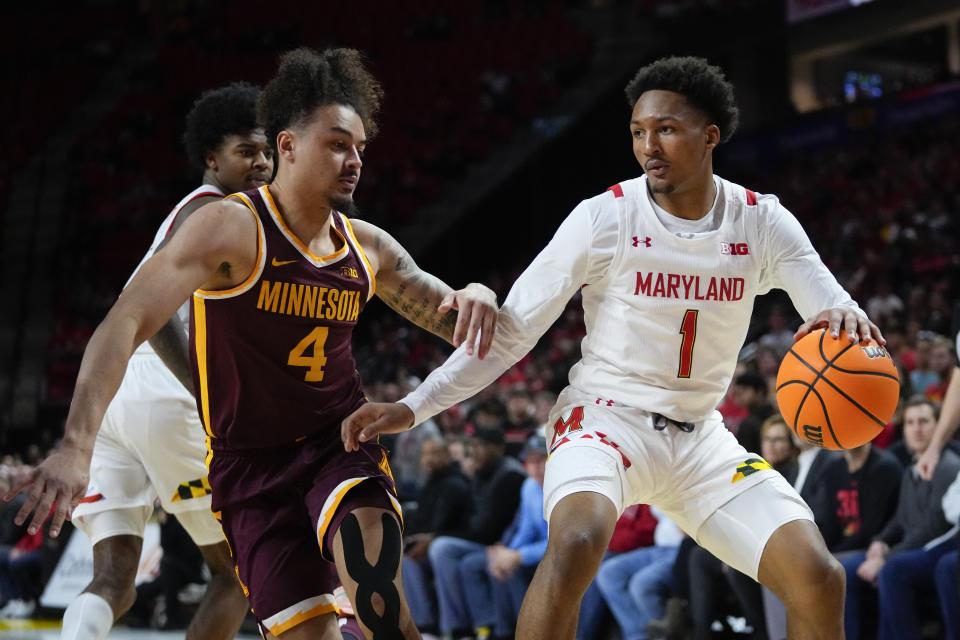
pixel 456 316
pixel 214 247
pixel 373 419
pixel 946 426
pixel 170 342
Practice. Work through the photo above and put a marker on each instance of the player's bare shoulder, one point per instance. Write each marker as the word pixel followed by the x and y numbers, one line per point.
pixel 226 236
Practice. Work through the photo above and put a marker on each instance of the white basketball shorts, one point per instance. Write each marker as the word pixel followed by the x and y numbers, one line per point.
pixel 601 446
pixel 151 446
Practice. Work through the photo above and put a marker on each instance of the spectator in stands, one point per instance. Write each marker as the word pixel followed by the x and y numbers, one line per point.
pixel 495 579
pixel 443 506
pixel 942 362
pixel 884 304
pixel 496 494
pixel 636 584
pixel 945 574
pixel 922 374
pixel 750 392
pixel 20 568
pixel 857 499
pixel 902 557
pixel 518 422
pixel 779 335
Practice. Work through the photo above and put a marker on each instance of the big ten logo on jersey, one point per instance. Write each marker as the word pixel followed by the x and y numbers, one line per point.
pixel 734 249
pixel 349 272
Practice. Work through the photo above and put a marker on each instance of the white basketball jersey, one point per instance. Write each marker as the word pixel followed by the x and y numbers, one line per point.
pixel 665 326
pixel 665 315
pixel 184 311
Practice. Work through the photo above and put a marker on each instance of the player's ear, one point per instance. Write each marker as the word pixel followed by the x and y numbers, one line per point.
pixel 712 132
pixel 210 159
pixel 286 144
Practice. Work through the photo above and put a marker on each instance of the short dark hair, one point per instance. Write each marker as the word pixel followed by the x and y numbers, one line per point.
pixel 307 79
pixel 920 400
pixel 218 113
pixel 701 83
pixel 752 380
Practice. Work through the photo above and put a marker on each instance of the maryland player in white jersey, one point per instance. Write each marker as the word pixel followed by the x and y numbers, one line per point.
pixel 669 265
pixel 151 444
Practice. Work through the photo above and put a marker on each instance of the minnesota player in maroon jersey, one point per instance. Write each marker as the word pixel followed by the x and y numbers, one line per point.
pixel 278 276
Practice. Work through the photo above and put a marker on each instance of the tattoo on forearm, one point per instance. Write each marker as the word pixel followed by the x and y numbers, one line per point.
pixel 417 299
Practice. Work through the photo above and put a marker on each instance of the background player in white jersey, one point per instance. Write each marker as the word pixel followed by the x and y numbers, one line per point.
pixel 669 265
pixel 151 442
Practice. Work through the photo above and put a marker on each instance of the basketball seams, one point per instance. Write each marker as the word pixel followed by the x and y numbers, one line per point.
pixel 821 375
pixel 866 373
pixel 826 415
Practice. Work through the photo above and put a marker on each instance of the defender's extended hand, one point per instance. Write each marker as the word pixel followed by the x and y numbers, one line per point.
pixel 59 480
pixel 374 418
pixel 927 462
pixel 854 325
pixel 477 311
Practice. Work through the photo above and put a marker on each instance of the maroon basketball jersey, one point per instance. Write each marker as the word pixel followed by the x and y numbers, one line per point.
pixel 272 361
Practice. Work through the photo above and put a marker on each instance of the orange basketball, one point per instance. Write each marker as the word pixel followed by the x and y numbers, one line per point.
pixel 837 394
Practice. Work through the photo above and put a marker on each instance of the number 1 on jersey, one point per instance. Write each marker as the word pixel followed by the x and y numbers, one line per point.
pixel 688 329
pixel 317 338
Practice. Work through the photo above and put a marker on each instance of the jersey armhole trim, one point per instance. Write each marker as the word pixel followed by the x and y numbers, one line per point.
pixel 254 276
pixel 363 256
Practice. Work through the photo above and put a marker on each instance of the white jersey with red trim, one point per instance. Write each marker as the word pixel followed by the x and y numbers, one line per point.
pixel 184 311
pixel 666 312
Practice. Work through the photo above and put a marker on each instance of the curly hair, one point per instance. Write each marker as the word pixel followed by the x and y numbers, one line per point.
pixel 701 83
pixel 216 114
pixel 308 79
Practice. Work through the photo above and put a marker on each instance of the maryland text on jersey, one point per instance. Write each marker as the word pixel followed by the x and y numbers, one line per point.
pixel 308 301
pixel 675 285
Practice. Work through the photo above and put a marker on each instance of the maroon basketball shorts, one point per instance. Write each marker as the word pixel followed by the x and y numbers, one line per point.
pixel 280 510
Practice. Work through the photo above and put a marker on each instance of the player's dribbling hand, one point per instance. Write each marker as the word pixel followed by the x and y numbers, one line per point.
pixel 477 312
pixel 854 325
pixel 58 484
pixel 372 419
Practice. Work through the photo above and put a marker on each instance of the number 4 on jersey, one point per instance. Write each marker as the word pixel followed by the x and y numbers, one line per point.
pixel 688 329
pixel 317 338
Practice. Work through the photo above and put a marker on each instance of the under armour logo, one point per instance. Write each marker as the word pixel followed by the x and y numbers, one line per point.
pixel 646 241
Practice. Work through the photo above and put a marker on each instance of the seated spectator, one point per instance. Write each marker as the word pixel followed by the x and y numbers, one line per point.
pixel 442 507
pixel 779 336
pixel 496 496
pixel 518 423
pixel 922 374
pixel 750 392
pixel 635 584
pixel 496 579
pixel 901 559
pixel 20 568
pixel 942 362
pixel 858 498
